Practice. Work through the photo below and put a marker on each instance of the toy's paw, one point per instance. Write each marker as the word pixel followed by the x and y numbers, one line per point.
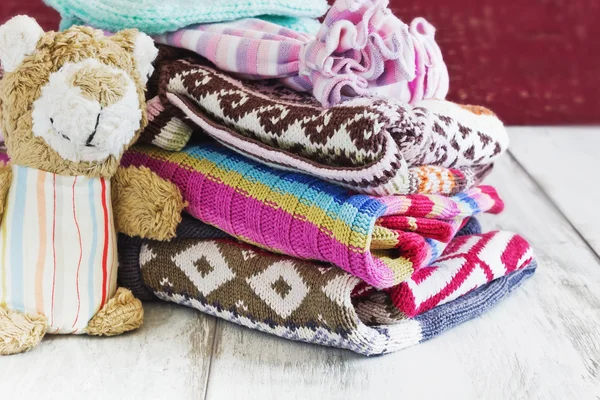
pixel 122 313
pixel 20 332
pixel 146 205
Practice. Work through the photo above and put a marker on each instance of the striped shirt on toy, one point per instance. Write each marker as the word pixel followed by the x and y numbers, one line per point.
pixel 41 242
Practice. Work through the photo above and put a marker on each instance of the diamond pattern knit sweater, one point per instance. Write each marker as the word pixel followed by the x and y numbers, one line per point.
pixel 295 299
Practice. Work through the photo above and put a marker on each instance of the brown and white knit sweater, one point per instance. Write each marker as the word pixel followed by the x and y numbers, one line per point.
pixel 371 145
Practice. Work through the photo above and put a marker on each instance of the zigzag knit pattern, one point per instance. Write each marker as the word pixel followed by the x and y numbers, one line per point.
pixel 307 218
pixel 433 132
pixel 373 146
pixel 159 16
pixel 294 299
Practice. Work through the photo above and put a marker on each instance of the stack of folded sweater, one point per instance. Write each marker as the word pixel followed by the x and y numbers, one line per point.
pixel 332 191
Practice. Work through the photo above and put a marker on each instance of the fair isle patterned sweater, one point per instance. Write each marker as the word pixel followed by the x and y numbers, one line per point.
pixel 375 146
pixel 57 241
pixel 312 302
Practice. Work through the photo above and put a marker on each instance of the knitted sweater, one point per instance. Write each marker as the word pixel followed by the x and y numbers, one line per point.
pixel 159 16
pixel 304 217
pixel 295 299
pixel 373 146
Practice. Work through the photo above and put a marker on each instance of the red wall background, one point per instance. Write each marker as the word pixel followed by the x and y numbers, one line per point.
pixel 531 61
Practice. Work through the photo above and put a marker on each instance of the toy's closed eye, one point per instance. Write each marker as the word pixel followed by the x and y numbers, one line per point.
pixel 61 134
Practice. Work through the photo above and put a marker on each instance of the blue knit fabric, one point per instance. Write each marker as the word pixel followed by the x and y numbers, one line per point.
pixel 302 25
pixel 472 227
pixel 160 16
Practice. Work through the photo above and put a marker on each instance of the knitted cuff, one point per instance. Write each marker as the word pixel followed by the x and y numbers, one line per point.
pixel 472 304
pixel 165 129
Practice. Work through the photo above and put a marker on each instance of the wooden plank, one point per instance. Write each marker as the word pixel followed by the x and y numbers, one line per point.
pixel 565 161
pixel 168 357
pixel 542 342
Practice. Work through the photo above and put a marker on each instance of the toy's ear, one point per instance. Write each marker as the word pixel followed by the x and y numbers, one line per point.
pixel 144 53
pixel 142 48
pixel 18 39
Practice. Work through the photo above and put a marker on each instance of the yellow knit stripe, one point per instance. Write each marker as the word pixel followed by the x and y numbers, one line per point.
pixel 383 238
pixel 412 223
pixel 401 267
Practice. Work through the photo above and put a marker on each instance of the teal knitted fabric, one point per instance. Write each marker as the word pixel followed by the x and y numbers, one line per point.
pixel 302 25
pixel 298 24
pixel 160 16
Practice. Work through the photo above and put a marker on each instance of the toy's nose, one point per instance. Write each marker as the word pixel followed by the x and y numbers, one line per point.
pixel 100 84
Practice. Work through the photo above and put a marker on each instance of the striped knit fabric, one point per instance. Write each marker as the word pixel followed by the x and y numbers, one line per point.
pixel 304 217
pixel 361 49
pixel 165 129
pixel 294 299
pixel 58 248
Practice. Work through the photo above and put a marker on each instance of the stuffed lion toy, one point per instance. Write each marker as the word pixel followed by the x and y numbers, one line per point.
pixel 70 104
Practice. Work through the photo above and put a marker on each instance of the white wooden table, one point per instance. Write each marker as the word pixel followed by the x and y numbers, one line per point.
pixel 541 342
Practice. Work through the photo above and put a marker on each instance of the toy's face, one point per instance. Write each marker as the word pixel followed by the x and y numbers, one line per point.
pixel 87 111
pixel 72 102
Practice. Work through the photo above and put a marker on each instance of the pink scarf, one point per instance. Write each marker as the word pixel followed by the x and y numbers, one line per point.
pixel 361 49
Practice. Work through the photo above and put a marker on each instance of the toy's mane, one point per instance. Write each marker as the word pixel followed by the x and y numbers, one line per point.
pixel 19 89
